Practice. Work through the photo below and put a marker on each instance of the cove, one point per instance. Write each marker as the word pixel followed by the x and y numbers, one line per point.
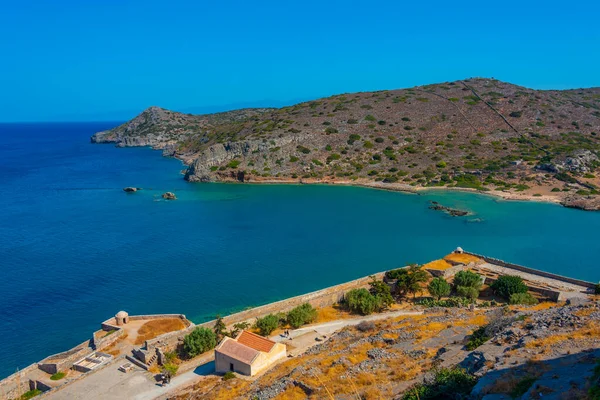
pixel 75 249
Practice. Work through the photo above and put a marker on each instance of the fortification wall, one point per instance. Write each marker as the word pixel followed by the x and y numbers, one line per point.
pixel 105 341
pixel 63 361
pixel 533 271
pixel 320 298
pixel 17 383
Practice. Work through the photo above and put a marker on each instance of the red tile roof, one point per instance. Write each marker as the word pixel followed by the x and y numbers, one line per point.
pixel 255 341
pixel 236 350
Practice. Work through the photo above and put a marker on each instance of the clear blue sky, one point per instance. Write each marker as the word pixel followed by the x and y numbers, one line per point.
pixel 74 59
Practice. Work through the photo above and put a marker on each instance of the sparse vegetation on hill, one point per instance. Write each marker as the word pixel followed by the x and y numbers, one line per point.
pixel 478 133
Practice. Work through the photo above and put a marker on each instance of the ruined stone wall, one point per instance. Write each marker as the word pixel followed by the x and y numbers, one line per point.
pixel 320 298
pixel 105 341
pixel 17 383
pixel 528 270
pixel 64 361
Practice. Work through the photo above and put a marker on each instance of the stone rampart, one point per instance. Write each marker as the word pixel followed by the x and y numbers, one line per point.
pixel 533 271
pixel 102 342
pixel 320 298
pixel 63 361
pixel 17 383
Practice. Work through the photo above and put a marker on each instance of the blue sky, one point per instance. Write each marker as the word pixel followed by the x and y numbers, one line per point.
pixel 109 59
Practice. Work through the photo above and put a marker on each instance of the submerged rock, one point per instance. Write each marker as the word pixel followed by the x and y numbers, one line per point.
pixel 169 196
pixel 130 189
pixel 450 211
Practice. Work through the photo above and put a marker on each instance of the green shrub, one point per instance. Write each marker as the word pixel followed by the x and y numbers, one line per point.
pixel 331 130
pixel 58 376
pixel 382 293
pixel 477 338
pixel 410 280
pixel 267 324
pixel 467 279
pixel 293 158
pixel 438 287
pixel 450 302
pixel 371 118
pixel 332 157
pixel 30 394
pixel 353 138
pixel 170 369
pixel 522 387
pixel 507 285
pixel 379 140
pixel 361 301
pixel 597 288
pixel 233 163
pixel 467 292
pixel 228 375
pixel 446 383
pixel 199 341
pixel 522 298
pixel 301 315
pixel 303 149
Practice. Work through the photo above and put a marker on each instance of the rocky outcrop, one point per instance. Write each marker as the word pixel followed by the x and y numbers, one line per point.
pixel 202 168
pixel 130 189
pixel 169 196
pixel 580 161
pixel 453 212
pixel 586 203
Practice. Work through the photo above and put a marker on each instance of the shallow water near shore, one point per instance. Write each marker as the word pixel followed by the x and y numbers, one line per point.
pixel 75 249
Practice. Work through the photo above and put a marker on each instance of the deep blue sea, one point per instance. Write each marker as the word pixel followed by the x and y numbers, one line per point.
pixel 75 249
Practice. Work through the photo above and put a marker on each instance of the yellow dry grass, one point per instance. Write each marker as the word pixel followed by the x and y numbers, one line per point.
pixel 590 330
pixel 457 258
pixel 331 313
pixel 113 349
pixel 440 265
pixel 292 393
pixel 538 307
pixel 156 327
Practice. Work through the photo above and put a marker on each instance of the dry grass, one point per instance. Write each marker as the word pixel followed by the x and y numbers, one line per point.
pixel 331 313
pixel 292 393
pixel 590 330
pixel 455 258
pixel 538 307
pixel 440 265
pixel 112 349
pixel 156 327
pixel 586 312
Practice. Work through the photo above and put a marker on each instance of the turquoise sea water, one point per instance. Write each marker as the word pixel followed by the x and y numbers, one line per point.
pixel 75 249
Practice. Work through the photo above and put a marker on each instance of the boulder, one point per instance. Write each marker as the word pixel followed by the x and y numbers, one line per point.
pixel 130 189
pixel 169 196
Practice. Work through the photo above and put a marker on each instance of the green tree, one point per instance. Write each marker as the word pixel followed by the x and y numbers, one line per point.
pixel 506 285
pixel 361 301
pixel 410 281
pixel 267 324
pixel 237 328
pixel 220 328
pixel 301 315
pixel 438 287
pixel 467 292
pixel 382 292
pixel 199 341
pixel 467 279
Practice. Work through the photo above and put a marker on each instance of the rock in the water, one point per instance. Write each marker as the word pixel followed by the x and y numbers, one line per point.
pixel 450 211
pixel 169 196
pixel 130 189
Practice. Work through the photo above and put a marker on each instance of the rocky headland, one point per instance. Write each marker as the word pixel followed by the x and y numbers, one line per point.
pixel 476 134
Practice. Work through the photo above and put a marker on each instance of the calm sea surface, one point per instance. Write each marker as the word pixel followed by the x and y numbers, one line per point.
pixel 75 249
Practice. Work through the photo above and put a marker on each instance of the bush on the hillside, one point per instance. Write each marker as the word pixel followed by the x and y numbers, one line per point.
pixel 382 292
pixel 523 298
pixel 507 285
pixel 450 302
pixel 301 315
pixel 170 369
pixel 228 375
pixel 267 324
pixel 467 279
pixel 199 341
pixel 467 292
pixel 597 288
pixel 456 382
pixel 438 288
pixel 477 338
pixel 361 301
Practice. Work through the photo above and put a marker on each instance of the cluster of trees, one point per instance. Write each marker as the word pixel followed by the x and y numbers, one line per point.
pixel 301 315
pixel 467 285
pixel 513 289
pixel 408 280
pixel 367 301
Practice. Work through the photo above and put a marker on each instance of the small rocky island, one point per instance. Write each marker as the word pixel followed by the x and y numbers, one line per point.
pixel 169 196
pixel 454 212
pixel 130 189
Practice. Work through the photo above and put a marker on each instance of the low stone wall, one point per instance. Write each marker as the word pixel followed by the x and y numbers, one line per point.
pixel 320 298
pixel 11 386
pixel 533 271
pixel 162 316
pixel 105 341
pixel 63 361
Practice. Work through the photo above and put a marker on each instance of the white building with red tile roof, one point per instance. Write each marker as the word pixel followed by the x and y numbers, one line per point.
pixel 247 354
